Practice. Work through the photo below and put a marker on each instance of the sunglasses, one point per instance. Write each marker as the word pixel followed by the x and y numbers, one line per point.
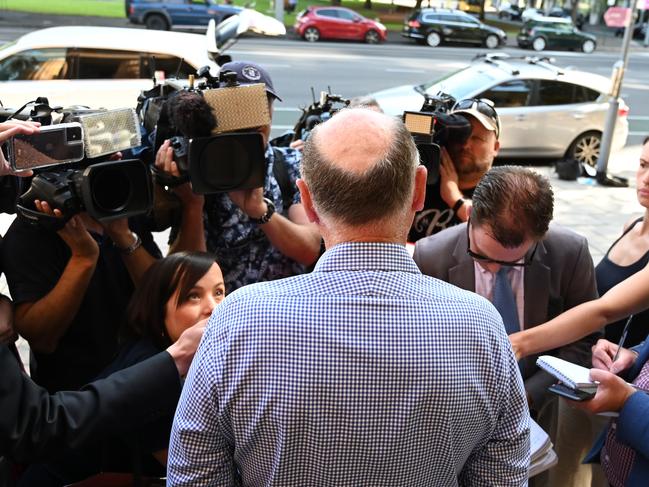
pixel 483 258
pixel 481 105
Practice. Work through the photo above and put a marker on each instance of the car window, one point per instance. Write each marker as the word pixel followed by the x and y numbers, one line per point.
pixel 344 14
pixel 327 13
pixel 585 95
pixel 108 64
pixel 35 64
pixel 556 92
pixel 460 84
pixel 447 18
pixel 514 93
pixel 172 66
pixel 431 18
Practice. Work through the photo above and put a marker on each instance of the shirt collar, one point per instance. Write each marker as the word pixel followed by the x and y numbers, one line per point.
pixel 367 256
pixel 512 269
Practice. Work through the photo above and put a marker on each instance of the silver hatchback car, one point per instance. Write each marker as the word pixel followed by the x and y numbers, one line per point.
pixel 545 111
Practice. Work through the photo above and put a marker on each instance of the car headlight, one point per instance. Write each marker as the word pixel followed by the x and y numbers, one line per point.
pixel 381 26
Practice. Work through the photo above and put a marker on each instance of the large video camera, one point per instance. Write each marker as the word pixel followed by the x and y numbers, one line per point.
pixel 319 111
pixel 212 127
pixel 82 139
pixel 434 127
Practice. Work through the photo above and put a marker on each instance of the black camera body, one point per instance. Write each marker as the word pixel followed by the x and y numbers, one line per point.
pixel 434 127
pixel 209 127
pixel 106 190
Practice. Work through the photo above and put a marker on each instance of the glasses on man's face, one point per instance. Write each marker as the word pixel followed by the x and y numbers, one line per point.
pixel 482 105
pixel 488 260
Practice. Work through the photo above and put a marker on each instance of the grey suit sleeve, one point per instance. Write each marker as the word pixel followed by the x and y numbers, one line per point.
pixel 35 424
pixel 578 286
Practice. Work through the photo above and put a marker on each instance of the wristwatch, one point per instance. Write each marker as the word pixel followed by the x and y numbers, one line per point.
pixel 265 218
pixel 458 204
pixel 137 243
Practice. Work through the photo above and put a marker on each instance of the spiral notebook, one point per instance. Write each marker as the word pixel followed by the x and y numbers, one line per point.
pixel 572 375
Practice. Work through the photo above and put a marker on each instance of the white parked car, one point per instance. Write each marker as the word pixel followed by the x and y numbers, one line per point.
pixel 107 67
pixel 545 111
pixel 95 66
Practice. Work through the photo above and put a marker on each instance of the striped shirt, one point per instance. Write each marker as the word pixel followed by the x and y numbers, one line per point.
pixel 364 372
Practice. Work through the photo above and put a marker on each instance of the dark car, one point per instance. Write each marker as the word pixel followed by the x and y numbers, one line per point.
pixel 436 25
pixel 541 33
pixel 180 14
pixel 317 23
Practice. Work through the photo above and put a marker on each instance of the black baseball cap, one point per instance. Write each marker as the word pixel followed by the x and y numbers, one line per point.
pixel 249 73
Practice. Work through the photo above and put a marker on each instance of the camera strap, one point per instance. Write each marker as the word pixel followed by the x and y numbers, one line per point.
pixel 34 217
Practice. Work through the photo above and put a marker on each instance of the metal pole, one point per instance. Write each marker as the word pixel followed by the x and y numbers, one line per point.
pixel 611 116
pixel 279 10
pixel 646 28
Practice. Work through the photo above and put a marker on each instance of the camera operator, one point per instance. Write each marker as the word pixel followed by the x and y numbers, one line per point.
pixel 259 234
pixel 71 288
pixel 462 165
pixel 36 426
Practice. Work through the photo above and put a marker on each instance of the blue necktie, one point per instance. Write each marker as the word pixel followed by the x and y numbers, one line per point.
pixel 505 302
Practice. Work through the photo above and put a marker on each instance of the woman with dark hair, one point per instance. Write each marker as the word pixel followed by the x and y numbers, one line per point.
pixel 175 293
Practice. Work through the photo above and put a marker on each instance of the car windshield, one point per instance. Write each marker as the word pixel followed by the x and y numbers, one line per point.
pixel 461 84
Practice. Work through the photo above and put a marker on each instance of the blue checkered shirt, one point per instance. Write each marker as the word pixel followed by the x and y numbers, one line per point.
pixel 364 372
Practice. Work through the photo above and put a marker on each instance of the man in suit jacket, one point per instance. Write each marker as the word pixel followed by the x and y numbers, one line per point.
pixel 35 425
pixel 551 269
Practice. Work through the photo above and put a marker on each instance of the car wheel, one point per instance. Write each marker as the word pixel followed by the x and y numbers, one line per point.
pixel 588 46
pixel 311 34
pixel 538 44
pixel 585 149
pixel 492 41
pixel 433 39
pixel 372 37
pixel 156 22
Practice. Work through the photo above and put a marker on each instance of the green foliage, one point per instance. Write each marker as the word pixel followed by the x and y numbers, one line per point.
pixel 100 8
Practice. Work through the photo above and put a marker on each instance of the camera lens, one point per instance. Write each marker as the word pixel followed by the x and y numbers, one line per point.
pixel 112 191
pixel 73 133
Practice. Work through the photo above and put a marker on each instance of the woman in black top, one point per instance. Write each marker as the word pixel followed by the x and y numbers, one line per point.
pixel 174 293
pixel 628 255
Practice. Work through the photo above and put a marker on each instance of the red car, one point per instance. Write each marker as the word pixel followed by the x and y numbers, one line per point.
pixel 317 23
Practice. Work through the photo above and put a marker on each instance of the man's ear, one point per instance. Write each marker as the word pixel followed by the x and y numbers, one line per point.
pixel 496 147
pixel 307 202
pixel 419 190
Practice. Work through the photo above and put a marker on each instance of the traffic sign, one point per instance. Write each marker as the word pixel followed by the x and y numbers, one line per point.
pixel 617 16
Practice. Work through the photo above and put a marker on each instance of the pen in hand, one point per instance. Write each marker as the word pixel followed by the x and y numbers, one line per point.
pixel 625 331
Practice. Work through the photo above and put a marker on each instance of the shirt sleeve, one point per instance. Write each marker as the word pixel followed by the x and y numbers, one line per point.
pixel 504 458
pixel 199 453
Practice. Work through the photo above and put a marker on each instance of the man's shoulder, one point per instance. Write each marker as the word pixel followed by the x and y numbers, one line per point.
pixel 562 241
pixel 447 238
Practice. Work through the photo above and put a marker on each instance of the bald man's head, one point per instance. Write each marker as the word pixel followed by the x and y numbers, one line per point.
pixel 360 166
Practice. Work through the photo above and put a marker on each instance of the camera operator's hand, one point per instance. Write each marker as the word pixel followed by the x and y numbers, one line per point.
pixel 8 130
pixel 251 201
pixel 449 185
pixel 164 162
pixel 297 145
pixel 74 234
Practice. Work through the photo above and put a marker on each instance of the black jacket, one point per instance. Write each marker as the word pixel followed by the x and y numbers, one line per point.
pixel 34 425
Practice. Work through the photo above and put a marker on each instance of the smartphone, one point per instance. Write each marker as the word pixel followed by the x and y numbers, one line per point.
pixel 53 144
pixel 570 393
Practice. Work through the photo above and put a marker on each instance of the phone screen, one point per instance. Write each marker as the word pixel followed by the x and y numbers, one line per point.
pixel 54 144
